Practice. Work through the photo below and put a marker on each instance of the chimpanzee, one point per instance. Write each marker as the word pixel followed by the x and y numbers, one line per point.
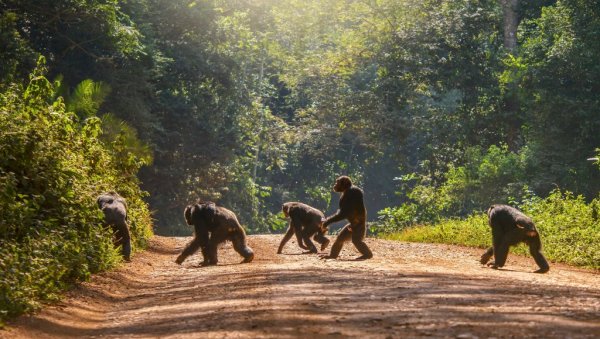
pixel 114 208
pixel 214 225
pixel 305 221
pixel 353 209
pixel 510 227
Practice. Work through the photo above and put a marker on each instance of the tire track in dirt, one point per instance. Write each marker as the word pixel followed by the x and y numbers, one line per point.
pixel 407 290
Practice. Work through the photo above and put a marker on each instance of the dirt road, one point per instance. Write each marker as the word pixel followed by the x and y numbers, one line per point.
pixel 408 290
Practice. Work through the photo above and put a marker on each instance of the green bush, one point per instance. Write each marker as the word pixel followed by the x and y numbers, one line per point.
pixel 52 167
pixel 495 174
pixel 569 228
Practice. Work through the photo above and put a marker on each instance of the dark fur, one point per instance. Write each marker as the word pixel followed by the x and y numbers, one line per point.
pixel 352 208
pixel 510 227
pixel 305 221
pixel 214 225
pixel 114 208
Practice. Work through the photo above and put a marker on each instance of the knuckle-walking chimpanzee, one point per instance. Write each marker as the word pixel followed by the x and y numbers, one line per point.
pixel 510 227
pixel 305 221
pixel 353 209
pixel 114 208
pixel 214 225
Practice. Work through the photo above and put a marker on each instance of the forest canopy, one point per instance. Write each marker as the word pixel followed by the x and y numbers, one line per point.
pixel 437 108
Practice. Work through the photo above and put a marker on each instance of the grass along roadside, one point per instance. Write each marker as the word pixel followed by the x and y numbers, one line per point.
pixel 569 228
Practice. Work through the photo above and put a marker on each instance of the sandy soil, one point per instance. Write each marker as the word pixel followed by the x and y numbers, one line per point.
pixel 408 290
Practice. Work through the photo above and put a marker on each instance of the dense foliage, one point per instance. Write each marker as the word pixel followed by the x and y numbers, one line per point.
pixel 569 228
pixel 52 167
pixel 252 103
pixel 430 105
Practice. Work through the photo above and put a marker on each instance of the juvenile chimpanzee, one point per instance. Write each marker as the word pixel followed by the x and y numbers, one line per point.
pixel 115 215
pixel 214 225
pixel 305 221
pixel 510 227
pixel 353 209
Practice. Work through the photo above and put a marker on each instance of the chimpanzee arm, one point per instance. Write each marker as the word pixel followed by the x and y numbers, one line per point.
pixel 297 227
pixel 502 245
pixel 339 215
pixel 348 204
pixel 286 238
pixel 203 237
pixel 200 241
pixel 535 246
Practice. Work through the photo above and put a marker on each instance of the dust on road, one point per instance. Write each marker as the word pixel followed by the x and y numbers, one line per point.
pixel 408 290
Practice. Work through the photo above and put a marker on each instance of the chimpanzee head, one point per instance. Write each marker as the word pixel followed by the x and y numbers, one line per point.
pixel 188 214
pixel 489 210
pixel 108 198
pixel 285 208
pixel 342 184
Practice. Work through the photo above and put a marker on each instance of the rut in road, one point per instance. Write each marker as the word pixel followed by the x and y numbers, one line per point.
pixel 407 290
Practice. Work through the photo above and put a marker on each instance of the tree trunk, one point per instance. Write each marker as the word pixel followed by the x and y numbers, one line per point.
pixel 511 101
pixel 511 22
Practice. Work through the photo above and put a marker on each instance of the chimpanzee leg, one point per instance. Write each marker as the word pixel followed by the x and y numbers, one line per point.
pixel 123 239
pixel 306 237
pixel 297 226
pixel 500 255
pixel 211 251
pixel 344 236
pixel 239 245
pixel 203 235
pixel 200 240
pixel 501 249
pixel 535 246
pixel 359 231
pixel 321 239
pixel 485 257
pixel 286 238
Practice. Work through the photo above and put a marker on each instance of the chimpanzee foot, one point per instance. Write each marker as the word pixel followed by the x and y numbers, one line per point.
pixel 485 258
pixel 325 244
pixel 542 270
pixel 179 259
pixel 492 265
pixel 327 256
pixel 365 257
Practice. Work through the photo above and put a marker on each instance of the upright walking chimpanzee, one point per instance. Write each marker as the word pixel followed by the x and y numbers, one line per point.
pixel 214 225
pixel 353 209
pixel 510 227
pixel 115 215
pixel 305 221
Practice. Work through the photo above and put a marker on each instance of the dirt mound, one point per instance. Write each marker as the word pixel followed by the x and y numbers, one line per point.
pixel 407 290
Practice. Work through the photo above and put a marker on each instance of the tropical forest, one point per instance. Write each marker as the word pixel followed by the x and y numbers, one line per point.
pixel 436 109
